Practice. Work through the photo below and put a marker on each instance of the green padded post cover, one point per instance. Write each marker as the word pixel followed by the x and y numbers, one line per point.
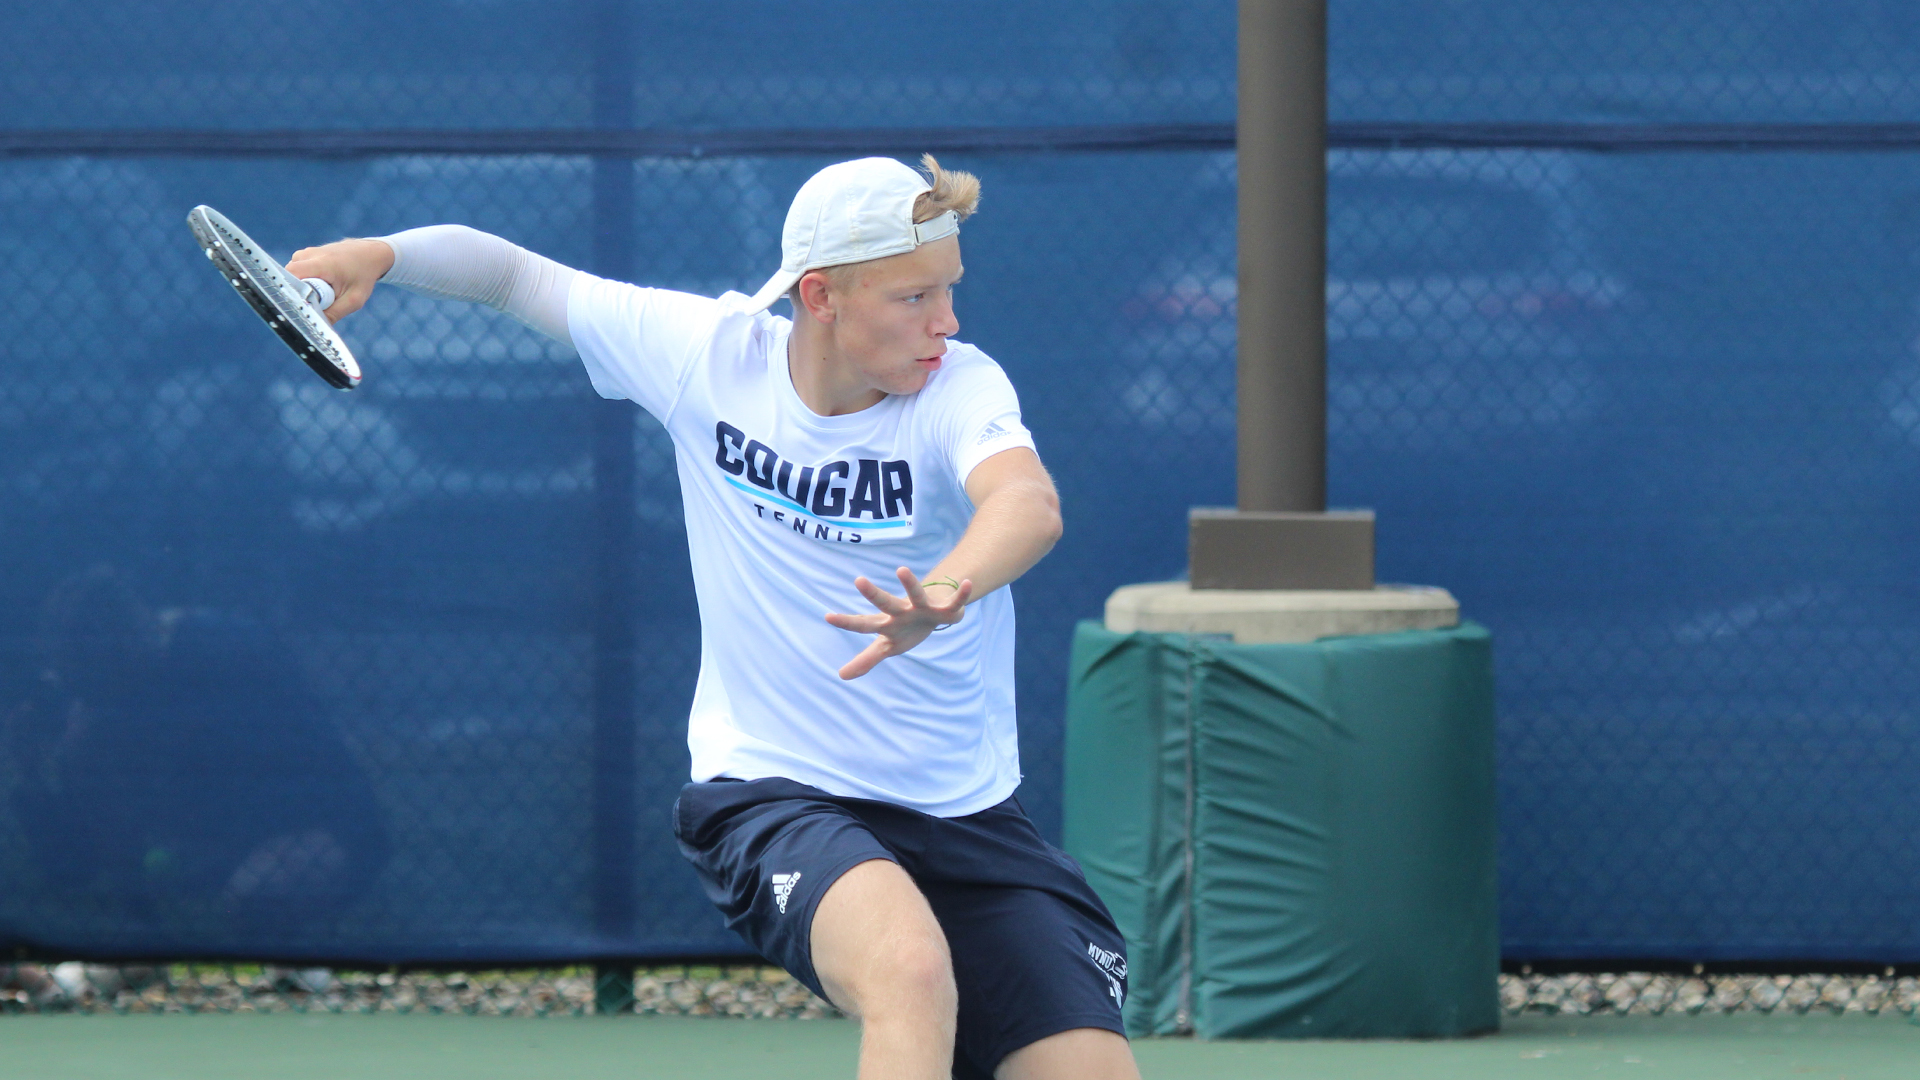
pixel 1297 840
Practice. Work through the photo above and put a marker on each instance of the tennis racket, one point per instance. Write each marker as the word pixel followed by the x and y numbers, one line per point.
pixel 290 306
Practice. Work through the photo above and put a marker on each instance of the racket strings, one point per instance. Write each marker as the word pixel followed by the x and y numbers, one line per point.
pixel 275 295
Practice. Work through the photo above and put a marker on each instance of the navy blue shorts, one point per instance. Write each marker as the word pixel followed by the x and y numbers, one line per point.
pixel 1034 951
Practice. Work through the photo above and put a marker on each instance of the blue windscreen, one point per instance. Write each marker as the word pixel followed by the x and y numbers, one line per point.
pixel 1622 350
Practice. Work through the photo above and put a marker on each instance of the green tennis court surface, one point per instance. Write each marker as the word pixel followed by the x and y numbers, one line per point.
pixel 295 1047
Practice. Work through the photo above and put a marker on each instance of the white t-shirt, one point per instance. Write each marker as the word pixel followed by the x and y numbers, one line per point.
pixel 784 509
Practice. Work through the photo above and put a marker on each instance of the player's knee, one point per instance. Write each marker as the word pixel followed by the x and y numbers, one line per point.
pixel 915 979
pixel 926 970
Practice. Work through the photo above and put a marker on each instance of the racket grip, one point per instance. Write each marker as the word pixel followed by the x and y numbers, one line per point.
pixel 319 293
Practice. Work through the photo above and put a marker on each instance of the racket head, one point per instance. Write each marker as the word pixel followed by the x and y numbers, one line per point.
pixel 276 296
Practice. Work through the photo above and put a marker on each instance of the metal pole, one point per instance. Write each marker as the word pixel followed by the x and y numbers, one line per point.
pixel 1282 536
pixel 615 634
pixel 1282 165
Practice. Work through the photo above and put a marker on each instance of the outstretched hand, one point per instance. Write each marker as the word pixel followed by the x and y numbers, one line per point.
pixel 352 267
pixel 902 622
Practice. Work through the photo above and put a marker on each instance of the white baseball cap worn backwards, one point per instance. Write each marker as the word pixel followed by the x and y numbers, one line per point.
pixel 852 212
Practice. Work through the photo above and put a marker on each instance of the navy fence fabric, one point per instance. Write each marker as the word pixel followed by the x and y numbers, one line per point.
pixel 401 675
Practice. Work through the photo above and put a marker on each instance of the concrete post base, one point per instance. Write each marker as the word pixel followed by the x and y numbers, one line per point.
pixel 1270 616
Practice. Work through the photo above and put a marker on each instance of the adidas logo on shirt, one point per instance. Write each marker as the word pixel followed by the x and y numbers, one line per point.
pixel 993 431
pixel 783 887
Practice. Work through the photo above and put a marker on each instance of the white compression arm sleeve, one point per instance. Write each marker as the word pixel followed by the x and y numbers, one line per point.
pixel 454 262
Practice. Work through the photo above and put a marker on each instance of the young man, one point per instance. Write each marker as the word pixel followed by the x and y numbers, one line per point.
pixel 852 810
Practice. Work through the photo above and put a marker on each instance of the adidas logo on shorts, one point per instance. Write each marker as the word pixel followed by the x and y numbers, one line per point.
pixel 1114 967
pixel 783 887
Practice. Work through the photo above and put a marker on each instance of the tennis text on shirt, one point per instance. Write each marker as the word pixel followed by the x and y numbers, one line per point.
pixel 784 508
pixel 843 497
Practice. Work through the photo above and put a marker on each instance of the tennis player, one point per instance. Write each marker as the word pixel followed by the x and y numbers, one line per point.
pixel 852 810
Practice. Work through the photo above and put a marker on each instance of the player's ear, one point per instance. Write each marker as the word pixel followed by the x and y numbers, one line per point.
pixel 816 296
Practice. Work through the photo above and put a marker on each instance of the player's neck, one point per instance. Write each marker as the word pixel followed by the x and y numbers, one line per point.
pixel 827 383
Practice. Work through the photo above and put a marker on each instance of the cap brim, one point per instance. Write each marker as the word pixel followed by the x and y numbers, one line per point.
pixel 774 289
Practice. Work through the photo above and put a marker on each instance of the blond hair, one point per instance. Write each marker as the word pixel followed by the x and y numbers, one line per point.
pixel 955 191
pixel 951 190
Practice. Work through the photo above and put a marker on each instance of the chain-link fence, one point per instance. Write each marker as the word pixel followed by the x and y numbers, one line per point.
pixel 402 674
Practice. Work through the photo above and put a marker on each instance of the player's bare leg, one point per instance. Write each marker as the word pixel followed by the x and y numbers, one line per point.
pixel 882 957
pixel 1080 1054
